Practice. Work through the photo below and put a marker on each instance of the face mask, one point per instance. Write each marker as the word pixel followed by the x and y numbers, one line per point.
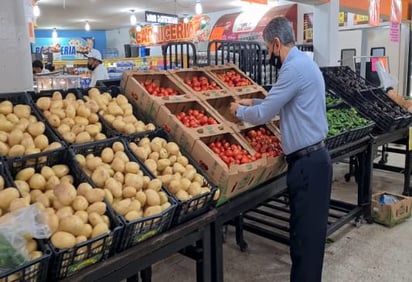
pixel 90 67
pixel 275 61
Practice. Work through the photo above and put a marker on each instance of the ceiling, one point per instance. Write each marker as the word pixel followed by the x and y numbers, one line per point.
pixel 112 14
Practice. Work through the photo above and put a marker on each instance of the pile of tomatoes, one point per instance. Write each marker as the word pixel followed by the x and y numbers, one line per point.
pixel 233 79
pixel 158 91
pixel 195 118
pixel 263 142
pixel 201 83
pixel 231 153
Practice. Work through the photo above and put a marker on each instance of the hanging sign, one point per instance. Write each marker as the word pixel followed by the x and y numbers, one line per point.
pixel 154 17
pixel 396 11
pixel 374 12
pixel 265 2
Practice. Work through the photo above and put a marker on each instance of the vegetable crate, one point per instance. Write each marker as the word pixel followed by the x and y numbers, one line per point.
pixel 234 79
pixel 66 262
pixel 231 179
pixel 200 83
pixel 147 97
pixel 197 204
pixel 335 141
pixel 7 127
pixel 189 127
pixel 144 227
pixel 140 122
pixel 59 120
pixel 34 270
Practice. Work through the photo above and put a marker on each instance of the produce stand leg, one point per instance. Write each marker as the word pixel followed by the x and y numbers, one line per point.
pixel 134 278
pixel 365 182
pixel 146 274
pixel 407 189
pixel 240 241
pixel 217 250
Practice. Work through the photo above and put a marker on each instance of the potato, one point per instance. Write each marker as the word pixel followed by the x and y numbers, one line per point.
pixel 132 167
pixel 122 206
pixel 64 211
pixel 31 245
pixel 29 151
pixel 43 199
pixel 174 186
pixel 43 103
pixel 53 222
pixel 155 185
pixel 1 183
pixel 95 218
pixel 151 165
pixel 83 137
pixel 129 192
pixel 36 129
pixel 119 176
pixel 140 152
pixel 15 137
pixel 100 229
pixel 99 176
pixel 114 187
pixel 81 159
pixel 165 206
pixel 80 239
pixel 155 146
pixel 152 197
pixel 60 170
pixel 71 224
pixel 81 121
pixel 119 125
pixel 84 215
pixel 18 203
pixel 83 111
pixel 118 146
pixel 67 178
pixel 163 154
pixel 6 196
pixel 37 181
pixel 107 155
pixel 178 167
pixel 4 148
pixel 162 164
pixel 108 196
pixel 165 179
pixel 163 197
pixel 184 183
pixel 53 146
pixel 118 165
pixel 135 205
pixel 41 141
pixel 80 203
pixel 133 215
pixel 98 207
pixel 16 150
pixel 6 107
pixel 52 182
pixel 152 210
pixel 87 230
pixel 25 174
pixel 194 189
pixel 172 148
pixel 154 156
pixel 182 160
pixel 22 111
pixel 65 193
pixel 198 178
pixel 93 163
pixel 141 197
pixel 93 118
pixel 63 240
pixel 95 195
pixel 182 195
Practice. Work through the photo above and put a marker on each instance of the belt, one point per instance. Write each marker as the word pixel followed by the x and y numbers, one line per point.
pixel 305 151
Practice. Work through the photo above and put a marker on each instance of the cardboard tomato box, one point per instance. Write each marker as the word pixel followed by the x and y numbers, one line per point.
pixel 234 179
pixel 233 78
pixel 147 102
pixel 195 81
pixel 186 136
pixel 390 214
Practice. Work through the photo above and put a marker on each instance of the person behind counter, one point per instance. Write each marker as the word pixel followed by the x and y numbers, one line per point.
pixel 38 67
pixel 95 64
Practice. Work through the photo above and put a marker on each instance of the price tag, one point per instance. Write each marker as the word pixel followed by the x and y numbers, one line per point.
pixel 410 139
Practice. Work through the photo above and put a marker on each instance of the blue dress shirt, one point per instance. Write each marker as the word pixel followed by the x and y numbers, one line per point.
pixel 298 96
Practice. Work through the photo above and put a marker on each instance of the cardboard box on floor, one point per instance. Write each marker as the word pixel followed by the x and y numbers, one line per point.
pixel 391 214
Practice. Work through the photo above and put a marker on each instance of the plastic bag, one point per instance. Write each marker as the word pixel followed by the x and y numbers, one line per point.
pixel 387 80
pixel 386 199
pixel 14 227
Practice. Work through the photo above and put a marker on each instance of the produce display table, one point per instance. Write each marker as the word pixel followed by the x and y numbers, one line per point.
pixel 267 215
pixel 400 136
pixel 127 264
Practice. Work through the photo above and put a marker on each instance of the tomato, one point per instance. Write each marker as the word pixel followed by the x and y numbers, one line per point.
pixel 263 142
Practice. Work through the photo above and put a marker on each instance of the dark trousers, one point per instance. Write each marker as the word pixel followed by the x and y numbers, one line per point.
pixel 309 181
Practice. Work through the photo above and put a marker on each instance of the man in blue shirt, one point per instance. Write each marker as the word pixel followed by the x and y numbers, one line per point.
pixel 298 96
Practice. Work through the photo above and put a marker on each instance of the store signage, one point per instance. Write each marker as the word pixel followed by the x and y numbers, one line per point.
pixel 67 48
pixel 154 17
pixel 265 2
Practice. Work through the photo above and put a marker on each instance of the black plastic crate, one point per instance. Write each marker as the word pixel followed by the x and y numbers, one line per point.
pixel 106 130
pixel 140 229
pixel 199 204
pixel 337 140
pixel 66 262
pixel 360 132
pixel 49 93
pixel 34 270
pixel 114 92
pixel 343 78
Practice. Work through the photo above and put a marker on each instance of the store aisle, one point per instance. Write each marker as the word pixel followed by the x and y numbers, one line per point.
pixel 367 253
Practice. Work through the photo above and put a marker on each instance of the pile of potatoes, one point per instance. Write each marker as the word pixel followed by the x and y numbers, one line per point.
pixel 20 131
pixel 167 163
pixel 8 204
pixel 118 112
pixel 76 120
pixel 75 214
pixel 131 193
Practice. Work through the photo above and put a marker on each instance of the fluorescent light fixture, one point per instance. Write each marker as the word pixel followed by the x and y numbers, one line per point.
pixel 87 26
pixel 133 19
pixel 36 10
pixel 54 33
pixel 198 7
pixel 138 28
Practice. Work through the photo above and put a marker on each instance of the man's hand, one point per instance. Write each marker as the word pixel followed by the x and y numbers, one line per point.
pixel 233 108
pixel 245 102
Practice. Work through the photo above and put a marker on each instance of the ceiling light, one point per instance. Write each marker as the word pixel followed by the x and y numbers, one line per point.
pixel 36 10
pixel 133 19
pixel 54 33
pixel 185 20
pixel 138 28
pixel 198 7
pixel 87 26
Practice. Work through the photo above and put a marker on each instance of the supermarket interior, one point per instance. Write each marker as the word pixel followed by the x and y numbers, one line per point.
pixel 130 151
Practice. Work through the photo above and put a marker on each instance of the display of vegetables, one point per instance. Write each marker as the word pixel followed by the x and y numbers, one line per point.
pixel 166 162
pixel 117 111
pixel 124 185
pixel 233 79
pixel 157 90
pixel 21 133
pixel 201 83
pixel 195 118
pixel 332 101
pixel 231 153
pixel 340 120
pixel 76 120
pixel 264 142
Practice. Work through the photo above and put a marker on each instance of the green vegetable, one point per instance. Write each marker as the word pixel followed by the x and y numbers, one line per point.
pixel 341 120
pixel 9 256
pixel 331 101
